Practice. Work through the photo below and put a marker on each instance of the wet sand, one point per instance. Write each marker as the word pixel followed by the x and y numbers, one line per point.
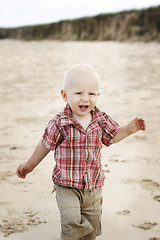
pixel 31 79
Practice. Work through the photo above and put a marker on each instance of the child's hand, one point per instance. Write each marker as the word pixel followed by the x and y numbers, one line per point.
pixel 132 127
pixel 23 170
pixel 39 153
pixel 136 125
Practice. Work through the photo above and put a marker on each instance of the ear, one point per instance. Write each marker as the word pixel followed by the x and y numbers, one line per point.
pixel 64 95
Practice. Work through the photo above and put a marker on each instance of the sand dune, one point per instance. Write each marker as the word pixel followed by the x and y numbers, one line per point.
pixel 31 78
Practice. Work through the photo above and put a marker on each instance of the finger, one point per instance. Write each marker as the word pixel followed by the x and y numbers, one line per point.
pixel 19 173
pixel 142 124
pixel 21 176
pixel 141 120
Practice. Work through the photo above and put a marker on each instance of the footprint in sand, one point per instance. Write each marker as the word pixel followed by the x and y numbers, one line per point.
pixel 12 226
pixel 5 128
pixel 12 147
pixel 124 212
pixel 106 170
pixel 116 160
pixel 146 225
pixel 17 147
pixel 149 184
pixel 157 198
pixel 144 183
pixel 154 238
pixel 6 174
pixel 18 223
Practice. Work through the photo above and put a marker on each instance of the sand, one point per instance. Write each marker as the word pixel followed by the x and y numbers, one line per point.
pixel 31 78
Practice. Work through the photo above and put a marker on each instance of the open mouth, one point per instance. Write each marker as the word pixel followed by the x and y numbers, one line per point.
pixel 83 107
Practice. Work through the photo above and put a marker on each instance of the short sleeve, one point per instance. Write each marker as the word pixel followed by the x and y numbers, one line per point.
pixel 109 130
pixel 52 136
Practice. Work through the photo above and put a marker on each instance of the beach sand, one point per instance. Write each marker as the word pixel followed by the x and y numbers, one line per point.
pixel 31 76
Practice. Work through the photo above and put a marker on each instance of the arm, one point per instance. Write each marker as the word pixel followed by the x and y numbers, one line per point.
pixel 132 127
pixel 39 153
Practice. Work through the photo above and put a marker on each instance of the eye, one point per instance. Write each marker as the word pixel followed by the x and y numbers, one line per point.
pixel 78 93
pixel 92 94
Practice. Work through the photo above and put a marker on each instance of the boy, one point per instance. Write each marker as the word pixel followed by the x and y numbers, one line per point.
pixel 76 135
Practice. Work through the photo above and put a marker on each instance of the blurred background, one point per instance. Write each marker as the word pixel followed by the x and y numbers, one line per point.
pixel 30 12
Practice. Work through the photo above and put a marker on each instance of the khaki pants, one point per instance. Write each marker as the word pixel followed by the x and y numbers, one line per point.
pixel 80 212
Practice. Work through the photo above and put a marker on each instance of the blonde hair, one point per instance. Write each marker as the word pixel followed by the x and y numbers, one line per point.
pixel 80 69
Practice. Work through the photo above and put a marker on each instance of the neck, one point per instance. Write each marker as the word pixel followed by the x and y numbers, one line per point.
pixel 84 120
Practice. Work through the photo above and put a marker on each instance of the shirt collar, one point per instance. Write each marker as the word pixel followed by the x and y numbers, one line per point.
pixel 68 119
pixel 67 111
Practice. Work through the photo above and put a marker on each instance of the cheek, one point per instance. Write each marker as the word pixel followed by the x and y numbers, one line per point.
pixel 74 100
pixel 93 100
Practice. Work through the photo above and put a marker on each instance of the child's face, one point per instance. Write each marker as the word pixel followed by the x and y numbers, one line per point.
pixel 81 93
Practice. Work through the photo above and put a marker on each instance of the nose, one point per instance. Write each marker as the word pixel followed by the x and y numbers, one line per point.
pixel 84 98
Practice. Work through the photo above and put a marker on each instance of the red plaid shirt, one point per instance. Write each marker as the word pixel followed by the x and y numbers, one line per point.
pixel 78 151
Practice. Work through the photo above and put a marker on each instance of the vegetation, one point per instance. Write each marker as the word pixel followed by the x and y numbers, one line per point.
pixel 133 25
